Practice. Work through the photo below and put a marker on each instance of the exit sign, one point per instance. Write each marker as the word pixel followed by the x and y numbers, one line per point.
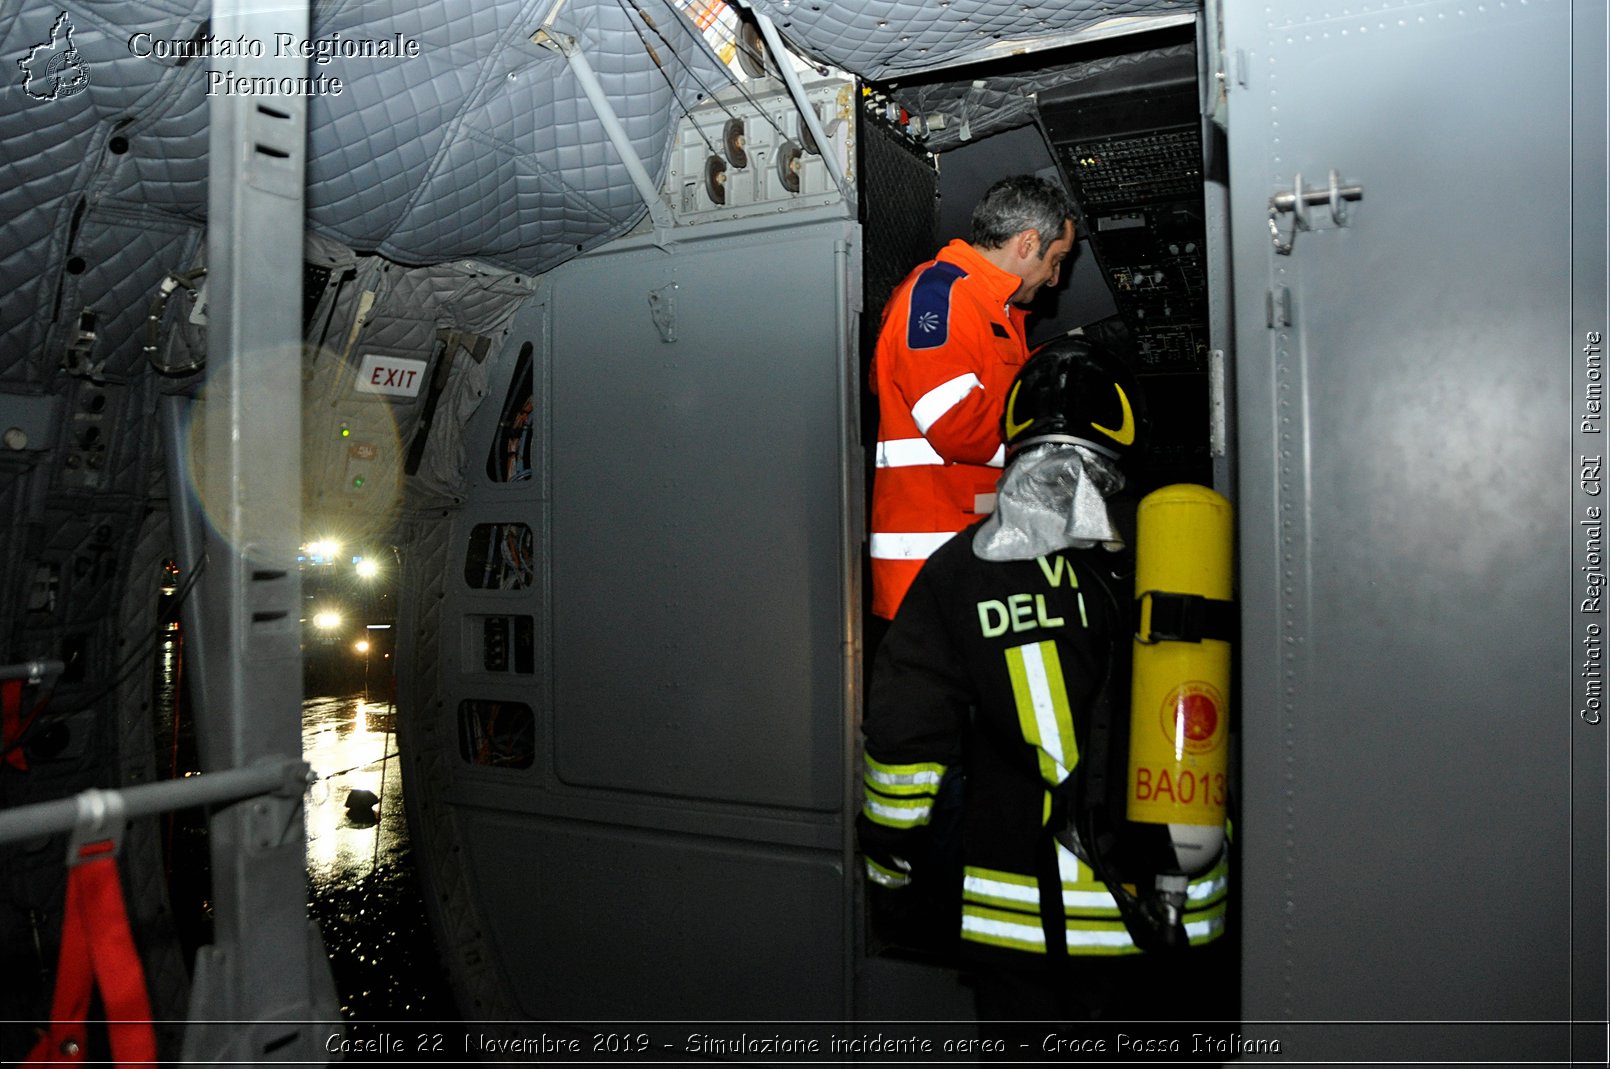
pixel 391 375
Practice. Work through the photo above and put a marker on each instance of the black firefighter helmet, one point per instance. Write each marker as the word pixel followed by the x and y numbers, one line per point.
pixel 1074 391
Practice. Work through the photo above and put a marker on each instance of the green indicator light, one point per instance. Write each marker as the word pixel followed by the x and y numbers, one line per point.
pixel 357 483
pixel 346 432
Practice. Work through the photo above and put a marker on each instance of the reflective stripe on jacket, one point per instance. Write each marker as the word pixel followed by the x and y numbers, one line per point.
pixel 996 668
pixel 1002 909
pixel 948 349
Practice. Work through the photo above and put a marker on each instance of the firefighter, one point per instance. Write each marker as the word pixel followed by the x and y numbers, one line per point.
pixel 1007 659
pixel 952 338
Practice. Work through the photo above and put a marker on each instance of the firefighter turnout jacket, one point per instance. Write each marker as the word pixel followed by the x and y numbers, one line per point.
pixel 947 351
pixel 997 666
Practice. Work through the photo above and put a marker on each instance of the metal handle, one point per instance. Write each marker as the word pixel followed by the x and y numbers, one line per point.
pixel 100 811
pixel 32 671
pixel 1299 200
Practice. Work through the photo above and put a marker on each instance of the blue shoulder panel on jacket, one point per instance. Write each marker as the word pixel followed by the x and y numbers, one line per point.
pixel 928 320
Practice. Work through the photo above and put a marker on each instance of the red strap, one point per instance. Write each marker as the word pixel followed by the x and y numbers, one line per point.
pixel 11 725
pixel 107 959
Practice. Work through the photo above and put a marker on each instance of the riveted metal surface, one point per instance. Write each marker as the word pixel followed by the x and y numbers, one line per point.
pixel 687 695
pixel 1396 436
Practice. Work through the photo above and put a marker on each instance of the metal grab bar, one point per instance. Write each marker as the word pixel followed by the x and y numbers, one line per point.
pixel 32 671
pixel 94 809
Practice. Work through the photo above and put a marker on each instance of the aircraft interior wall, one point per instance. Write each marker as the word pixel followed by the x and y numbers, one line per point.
pixel 631 702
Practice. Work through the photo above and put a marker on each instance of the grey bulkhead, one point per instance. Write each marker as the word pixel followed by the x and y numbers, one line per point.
pixel 1413 763
pixel 680 605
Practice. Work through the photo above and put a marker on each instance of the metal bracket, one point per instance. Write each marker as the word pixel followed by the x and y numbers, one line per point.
pixel 1278 306
pixel 78 357
pixel 662 306
pixel 159 307
pixel 1299 200
pixel 101 816
pixel 1218 424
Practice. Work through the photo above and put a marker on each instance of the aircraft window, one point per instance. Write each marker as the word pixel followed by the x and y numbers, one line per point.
pixel 501 556
pixel 510 458
pixel 502 643
pixel 497 734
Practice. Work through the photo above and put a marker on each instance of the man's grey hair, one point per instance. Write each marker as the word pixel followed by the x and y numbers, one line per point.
pixel 1021 202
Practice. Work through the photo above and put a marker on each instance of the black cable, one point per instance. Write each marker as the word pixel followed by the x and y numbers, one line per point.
pixel 655 56
pixel 651 24
pixel 708 92
pixel 121 673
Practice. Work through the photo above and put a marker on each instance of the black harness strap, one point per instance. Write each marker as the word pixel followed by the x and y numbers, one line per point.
pixel 1185 617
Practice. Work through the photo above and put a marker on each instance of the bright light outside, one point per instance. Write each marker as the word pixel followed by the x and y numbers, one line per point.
pixel 327 621
pixel 368 569
pixel 361 646
pixel 324 548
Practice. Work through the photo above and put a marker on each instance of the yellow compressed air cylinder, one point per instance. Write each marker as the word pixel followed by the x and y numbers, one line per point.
pixel 1179 731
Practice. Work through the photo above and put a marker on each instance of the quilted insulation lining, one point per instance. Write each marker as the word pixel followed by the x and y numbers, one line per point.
pixel 57 151
pixel 882 39
pixel 405 307
pixel 481 146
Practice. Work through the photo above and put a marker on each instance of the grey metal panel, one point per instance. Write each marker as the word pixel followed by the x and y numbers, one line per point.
pixel 1216 217
pixel 597 923
pixel 428 745
pixel 695 543
pixel 1404 517
pixel 690 496
pixel 261 970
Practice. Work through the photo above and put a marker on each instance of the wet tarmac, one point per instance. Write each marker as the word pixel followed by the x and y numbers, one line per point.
pixel 362 885
pixel 350 744
pixel 363 888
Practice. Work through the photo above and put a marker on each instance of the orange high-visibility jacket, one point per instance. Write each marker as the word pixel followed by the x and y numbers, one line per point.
pixel 948 349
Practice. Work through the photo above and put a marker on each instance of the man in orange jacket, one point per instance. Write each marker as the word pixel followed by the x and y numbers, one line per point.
pixel 952 339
